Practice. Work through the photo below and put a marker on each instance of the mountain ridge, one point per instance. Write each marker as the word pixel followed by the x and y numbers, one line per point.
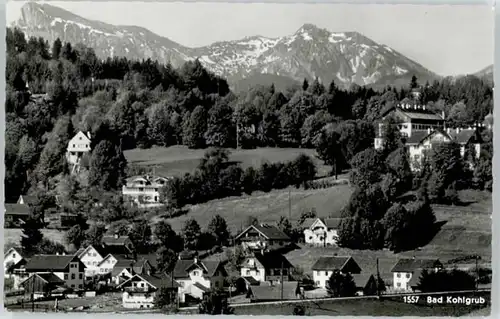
pixel 311 52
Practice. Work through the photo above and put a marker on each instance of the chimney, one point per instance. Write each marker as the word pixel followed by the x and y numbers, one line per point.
pixel 195 259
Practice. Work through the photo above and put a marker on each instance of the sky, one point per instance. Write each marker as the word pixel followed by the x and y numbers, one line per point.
pixel 447 39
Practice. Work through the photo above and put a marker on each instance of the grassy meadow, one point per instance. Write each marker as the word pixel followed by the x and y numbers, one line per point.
pixel 178 160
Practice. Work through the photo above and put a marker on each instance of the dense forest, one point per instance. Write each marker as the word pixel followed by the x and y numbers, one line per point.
pixel 56 89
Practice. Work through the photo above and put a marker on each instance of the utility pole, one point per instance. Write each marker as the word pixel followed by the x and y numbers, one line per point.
pixel 289 204
pixel 33 293
pixel 281 279
pixel 378 280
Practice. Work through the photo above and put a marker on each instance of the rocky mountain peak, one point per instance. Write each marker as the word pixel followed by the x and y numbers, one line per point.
pixel 310 52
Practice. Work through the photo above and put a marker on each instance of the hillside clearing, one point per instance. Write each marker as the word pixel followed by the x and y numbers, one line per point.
pixel 178 160
pixel 268 207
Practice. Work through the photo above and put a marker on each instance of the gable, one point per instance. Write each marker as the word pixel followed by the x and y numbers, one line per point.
pixel 79 138
pixel 318 223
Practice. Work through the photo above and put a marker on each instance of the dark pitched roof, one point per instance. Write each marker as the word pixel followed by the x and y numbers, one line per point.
pixel 415 113
pixel 17 209
pixel 264 292
pixel 463 136
pixel 49 262
pixel 151 258
pixel 361 280
pixel 273 260
pixel 183 266
pixel 250 280
pixel 417 137
pixel 269 231
pixel 330 263
pixel 51 278
pixel 412 264
pixel 79 252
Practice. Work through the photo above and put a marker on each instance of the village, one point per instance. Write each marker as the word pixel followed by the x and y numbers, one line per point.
pixel 263 273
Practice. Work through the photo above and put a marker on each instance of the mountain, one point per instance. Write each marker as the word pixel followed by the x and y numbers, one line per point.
pixel 486 73
pixel 347 57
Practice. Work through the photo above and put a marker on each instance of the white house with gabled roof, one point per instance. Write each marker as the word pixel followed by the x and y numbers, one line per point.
pixel 144 189
pixel 322 231
pixel 78 146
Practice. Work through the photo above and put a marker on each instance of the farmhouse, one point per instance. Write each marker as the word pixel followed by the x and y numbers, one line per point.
pixel 287 290
pixel 140 290
pixel 144 190
pixel 197 277
pixel 12 257
pixel 67 267
pixel 322 231
pixel 78 146
pixel 125 269
pixel 410 268
pixel 325 266
pixel 44 285
pixel 14 266
pixel 263 237
pixel 15 214
pixel 266 267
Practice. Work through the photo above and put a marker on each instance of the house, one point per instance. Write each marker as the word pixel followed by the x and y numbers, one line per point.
pixel 44 285
pixel 140 290
pixel 120 245
pixel 144 190
pixel 322 232
pixel 324 267
pixel 78 146
pixel 287 290
pixel 125 269
pixel 421 142
pixel 408 268
pixel 196 277
pixel 409 119
pixel 17 272
pixel 263 237
pixel 366 284
pixel 91 257
pixel 12 257
pixel 67 267
pixel 488 121
pixel 15 215
pixel 266 266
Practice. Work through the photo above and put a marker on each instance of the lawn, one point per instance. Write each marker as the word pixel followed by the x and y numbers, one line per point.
pixel 177 160
pixel 268 207
pixel 12 236
pixel 366 307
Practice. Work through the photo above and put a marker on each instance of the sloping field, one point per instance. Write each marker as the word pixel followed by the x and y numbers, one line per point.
pixel 268 207
pixel 177 160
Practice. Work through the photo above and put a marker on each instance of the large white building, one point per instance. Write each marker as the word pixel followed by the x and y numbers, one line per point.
pixel 78 146
pixel 144 190
pixel 140 290
pixel 422 129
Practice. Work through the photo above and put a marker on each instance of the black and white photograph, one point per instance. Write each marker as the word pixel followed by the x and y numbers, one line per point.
pixel 248 158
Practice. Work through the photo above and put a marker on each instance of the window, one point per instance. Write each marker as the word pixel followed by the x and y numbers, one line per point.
pixel 73 276
pixel 216 284
pixel 398 275
pixel 80 286
pixel 13 255
pixel 141 285
pixel 141 189
pixel 73 145
pixel 408 276
pixel 80 276
pixel 398 284
pixel 65 276
pixel 257 272
pixel 72 286
pixel 317 283
pixel 248 272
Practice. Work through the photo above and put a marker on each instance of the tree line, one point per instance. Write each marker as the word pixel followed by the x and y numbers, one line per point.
pixel 127 104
